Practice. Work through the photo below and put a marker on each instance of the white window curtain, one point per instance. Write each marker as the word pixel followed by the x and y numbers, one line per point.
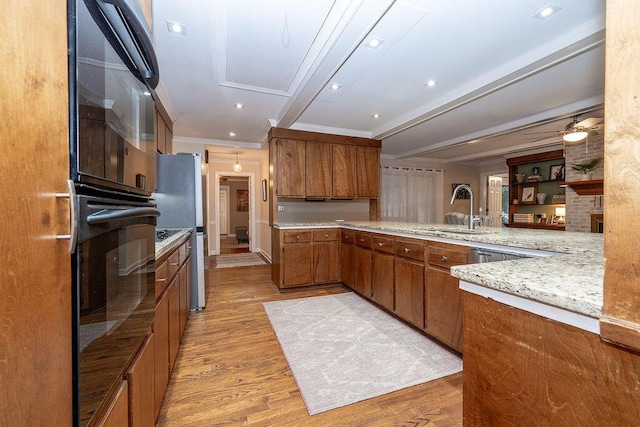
pixel 411 194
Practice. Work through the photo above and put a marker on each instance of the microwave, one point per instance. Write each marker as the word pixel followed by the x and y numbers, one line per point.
pixel 113 72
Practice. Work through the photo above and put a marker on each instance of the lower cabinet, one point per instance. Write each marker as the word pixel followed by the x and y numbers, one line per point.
pixel 173 294
pixel 409 281
pixel 161 341
pixel 443 299
pixel 362 264
pixel 296 258
pixel 117 413
pixel 347 241
pixel 140 377
pixel 382 271
pixel 326 256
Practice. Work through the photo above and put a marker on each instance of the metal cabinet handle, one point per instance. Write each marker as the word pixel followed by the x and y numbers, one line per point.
pixel 73 210
pixel 161 280
pixel 326 236
pixel 444 258
pixel 362 240
pixel 406 250
pixel 380 244
pixel 297 237
pixel 173 263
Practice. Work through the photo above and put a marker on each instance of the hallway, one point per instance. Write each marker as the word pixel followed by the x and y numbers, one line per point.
pixel 230 369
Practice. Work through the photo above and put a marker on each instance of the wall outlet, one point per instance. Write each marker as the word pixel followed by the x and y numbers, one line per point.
pixel 280 208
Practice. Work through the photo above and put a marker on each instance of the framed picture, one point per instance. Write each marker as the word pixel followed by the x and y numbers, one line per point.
pixel 264 190
pixel 242 202
pixel 462 194
pixel 556 173
pixel 528 193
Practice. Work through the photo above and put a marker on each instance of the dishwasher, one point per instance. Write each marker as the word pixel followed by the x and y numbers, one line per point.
pixel 480 255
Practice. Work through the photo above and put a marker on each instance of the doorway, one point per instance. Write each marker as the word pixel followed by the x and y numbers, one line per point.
pixel 234 218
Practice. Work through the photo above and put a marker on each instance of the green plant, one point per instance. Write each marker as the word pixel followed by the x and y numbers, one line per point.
pixel 587 165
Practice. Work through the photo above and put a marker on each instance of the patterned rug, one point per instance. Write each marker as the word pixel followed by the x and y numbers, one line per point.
pixel 342 349
pixel 238 260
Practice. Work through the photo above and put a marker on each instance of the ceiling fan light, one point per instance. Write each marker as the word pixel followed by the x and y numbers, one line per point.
pixel 575 136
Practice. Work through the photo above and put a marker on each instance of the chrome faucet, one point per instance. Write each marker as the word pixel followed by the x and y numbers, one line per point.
pixel 472 219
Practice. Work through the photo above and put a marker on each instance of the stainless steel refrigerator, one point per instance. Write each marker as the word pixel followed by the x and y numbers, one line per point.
pixel 180 198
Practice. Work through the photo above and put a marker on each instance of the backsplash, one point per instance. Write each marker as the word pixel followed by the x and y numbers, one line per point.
pixel 300 210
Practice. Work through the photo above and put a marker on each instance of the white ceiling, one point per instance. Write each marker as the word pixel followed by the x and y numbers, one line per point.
pixel 500 72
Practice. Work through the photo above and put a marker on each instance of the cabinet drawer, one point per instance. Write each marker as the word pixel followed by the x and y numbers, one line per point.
pixel 348 236
pixel 447 257
pixel 411 250
pixel 162 272
pixel 363 240
pixel 382 244
pixel 183 252
pixel 326 235
pixel 293 236
pixel 174 263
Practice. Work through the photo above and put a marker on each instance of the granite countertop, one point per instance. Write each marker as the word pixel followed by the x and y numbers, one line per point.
pixel 164 246
pixel 567 273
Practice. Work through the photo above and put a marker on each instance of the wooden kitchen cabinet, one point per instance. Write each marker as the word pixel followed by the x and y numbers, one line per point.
pixel 409 281
pixel 443 297
pixel 326 256
pixel 317 170
pixel 173 294
pixel 362 264
pixel 347 241
pixel 117 412
pixel 382 281
pixel 290 173
pixel 140 377
pixel 296 258
pixel 368 172
pixel 343 174
pixel 161 344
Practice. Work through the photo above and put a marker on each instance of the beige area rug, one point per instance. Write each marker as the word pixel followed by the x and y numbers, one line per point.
pixel 238 260
pixel 342 349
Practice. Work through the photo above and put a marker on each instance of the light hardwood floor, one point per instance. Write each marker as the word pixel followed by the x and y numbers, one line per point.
pixel 230 370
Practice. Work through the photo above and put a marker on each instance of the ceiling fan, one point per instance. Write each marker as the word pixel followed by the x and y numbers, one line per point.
pixel 575 132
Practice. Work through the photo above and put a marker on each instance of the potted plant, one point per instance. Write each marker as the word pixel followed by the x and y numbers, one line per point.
pixel 586 166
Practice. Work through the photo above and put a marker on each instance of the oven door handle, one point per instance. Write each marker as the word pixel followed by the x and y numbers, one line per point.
pixel 110 215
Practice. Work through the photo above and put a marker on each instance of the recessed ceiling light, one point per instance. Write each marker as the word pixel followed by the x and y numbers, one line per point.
pixel 232 134
pixel 546 11
pixel 335 86
pixel 376 115
pixel 431 83
pixel 374 42
pixel 238 105
pixel 174 27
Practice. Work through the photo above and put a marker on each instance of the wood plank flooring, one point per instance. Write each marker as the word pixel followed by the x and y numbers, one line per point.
pixel 230 370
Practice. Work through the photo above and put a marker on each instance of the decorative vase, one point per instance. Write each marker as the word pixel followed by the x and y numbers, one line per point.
pixel 541 198
pixel 585 177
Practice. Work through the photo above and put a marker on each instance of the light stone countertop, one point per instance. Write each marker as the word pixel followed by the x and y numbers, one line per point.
pixel 167 244
pixel 568 274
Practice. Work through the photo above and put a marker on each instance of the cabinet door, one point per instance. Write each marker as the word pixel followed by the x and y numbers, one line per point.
pixel 368 172
pixel 168 140
pixel 326 262
pixel 382 279
pixel 317 169
pixel 343 161
pixel 362 271
pixel 443 307
pixel 174 321
pixel 117 413
pixel 409 291
pixel 161 344
pixel 184 304
pixel 141 394
pixel 296 264
pixel 160 136
pixel 346 264
pixel 290 168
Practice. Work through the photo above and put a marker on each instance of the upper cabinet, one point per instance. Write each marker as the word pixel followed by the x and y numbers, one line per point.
pixel 368 172
pixel 164 130
pixel 343 171
pixel 290 175
pixel 318 173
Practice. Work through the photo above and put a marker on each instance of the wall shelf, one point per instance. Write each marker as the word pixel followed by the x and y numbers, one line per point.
pixel 592 187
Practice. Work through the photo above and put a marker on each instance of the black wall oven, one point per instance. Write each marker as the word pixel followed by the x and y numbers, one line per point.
pixel 112 75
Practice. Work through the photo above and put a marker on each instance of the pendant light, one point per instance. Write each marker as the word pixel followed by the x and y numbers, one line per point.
pixel 237 167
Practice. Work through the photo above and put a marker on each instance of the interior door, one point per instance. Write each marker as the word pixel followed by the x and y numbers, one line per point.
pixel 224 209
pixel 495 200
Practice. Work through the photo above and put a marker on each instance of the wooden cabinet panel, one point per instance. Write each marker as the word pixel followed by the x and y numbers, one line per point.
pixel 162 273
pixel 161 134
pixel 168 140
pixel 290 172
pixel 161 344
pixel 368 172
pixel 297 236
pixel 174 264
pixel 184 304
pixel 317 169
pixel 174 320
pixel 443 307
pixel 411 250
pixel 141 395
pixel 362 270
pixel 117 413
pixel 343 161
pixel 326 235
pixel 326 262
pixel 346 260
pixel 296 264
pixel 363 240
pixel 409 290
pixel 382 244
pixel 382 279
